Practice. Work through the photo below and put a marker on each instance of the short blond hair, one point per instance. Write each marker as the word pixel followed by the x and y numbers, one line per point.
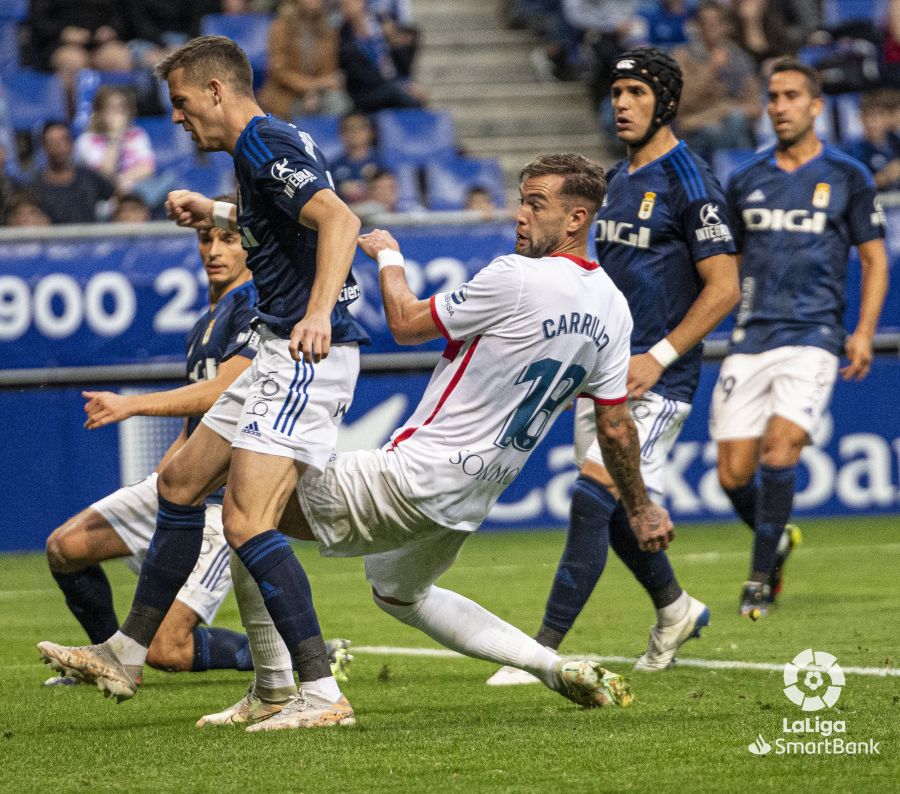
pixel 210 57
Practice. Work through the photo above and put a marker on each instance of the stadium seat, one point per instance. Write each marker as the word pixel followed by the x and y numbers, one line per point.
pixel 172 146
pixel 448 182
pixel 32 98
pixel 14 10
pixel 324 131
pixel 839 12
pixel 409 196
pixel 250 31
pixel 212 175
pixel 724 161
pixel 848 117
pixel 417 137
pixel 9 47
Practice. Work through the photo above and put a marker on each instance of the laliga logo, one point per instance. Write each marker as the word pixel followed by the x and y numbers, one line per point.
pixel 814 664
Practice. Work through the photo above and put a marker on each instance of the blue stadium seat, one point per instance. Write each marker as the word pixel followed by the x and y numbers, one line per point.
pixel 724 161
pixel 414 136
pixel 15 10
pixel 32 98
pixel 250 31
pixel 838 12
pixel 324 131
pixel 172 146
pixel 448 182
pixel 213 176
pixel 9 46
pixel 849 117
pixel 409 197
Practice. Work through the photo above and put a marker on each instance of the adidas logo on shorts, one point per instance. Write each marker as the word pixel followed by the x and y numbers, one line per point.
pixel 252 430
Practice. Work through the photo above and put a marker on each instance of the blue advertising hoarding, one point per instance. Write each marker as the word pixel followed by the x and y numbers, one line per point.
pixel 130 301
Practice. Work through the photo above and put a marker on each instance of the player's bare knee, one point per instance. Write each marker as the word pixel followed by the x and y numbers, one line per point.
pixel 732 474
pixel 781 453
pixel 62 555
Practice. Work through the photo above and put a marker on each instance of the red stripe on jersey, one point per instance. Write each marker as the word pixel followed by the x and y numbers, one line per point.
pixel 602 401
pixel 437 319
pixel 587 265
pixel 451 350
pixel 450 387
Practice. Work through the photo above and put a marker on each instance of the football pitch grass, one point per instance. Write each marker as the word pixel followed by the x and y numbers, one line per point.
pixel 428 723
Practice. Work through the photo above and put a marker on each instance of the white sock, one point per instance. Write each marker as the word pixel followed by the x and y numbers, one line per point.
pixel 272 662
pixel 128 651
pixel 461 624
pixel 671 614
pixel 326 687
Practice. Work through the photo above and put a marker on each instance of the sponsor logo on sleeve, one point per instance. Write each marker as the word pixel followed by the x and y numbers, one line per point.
pixel 713 228
pixel 293 179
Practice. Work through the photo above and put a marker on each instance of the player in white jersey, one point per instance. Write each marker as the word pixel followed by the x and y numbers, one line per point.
pixel 526 335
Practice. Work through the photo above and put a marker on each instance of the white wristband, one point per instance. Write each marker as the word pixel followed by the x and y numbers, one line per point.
pixel 388 257
pixel 664 353
pixel 221 215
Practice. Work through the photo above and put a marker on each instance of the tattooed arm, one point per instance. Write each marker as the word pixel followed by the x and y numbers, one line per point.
pixel 619 445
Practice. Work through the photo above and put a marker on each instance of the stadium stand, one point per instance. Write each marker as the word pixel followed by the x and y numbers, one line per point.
pixel 448 182
pixel 417 137
pixel 250 31
pixel 32 98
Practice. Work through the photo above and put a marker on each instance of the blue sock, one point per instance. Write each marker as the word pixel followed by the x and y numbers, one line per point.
pixel 773 509
pixel 582 562
pixel 652 569
pixel 173 553
pixel 743 498
pixel 89 597
pixel 220 649
pixel 286 592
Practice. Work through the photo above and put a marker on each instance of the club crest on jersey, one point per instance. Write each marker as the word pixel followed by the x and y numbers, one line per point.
pixel 293 180
pixel 646 209
pixel 821 196
pixel 713 228
pixel 208 332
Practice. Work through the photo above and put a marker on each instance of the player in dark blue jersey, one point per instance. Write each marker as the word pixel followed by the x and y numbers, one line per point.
pixel 797 207
pixel 122 524
pixel 663 236
pixel 281 417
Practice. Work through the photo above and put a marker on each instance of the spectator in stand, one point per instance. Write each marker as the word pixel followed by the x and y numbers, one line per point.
pixel 157 27
pixel 891 47
pixel 23 209
pixel 879 148
pixel 383 196
pixel 69 35
pixel 721 100
pixel 8 186
pixel 479 199
pixel 67 192
pixel 303 76
pixel 400 32
pixel 131 208
pixel 667 23
pixel 762 29
pixel 113 145
pixel 365 58
pixel 359 161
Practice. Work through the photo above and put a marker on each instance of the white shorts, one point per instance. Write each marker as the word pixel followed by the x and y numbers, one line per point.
pixel 358 507
pixel 794 382
pixel 279 406
pixel 131 512
pixel 658 421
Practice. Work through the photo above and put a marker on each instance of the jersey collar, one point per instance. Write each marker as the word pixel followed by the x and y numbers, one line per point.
pixel 583 263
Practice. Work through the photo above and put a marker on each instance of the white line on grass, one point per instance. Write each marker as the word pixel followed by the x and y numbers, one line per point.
pixel 708 664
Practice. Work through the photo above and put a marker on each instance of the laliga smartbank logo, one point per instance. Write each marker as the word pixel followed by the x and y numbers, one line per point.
pixel 813 680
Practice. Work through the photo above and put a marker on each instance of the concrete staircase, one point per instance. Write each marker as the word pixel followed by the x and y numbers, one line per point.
pixel 481 73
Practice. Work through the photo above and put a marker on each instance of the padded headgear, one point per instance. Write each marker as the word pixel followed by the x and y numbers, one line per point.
pixel 662 73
